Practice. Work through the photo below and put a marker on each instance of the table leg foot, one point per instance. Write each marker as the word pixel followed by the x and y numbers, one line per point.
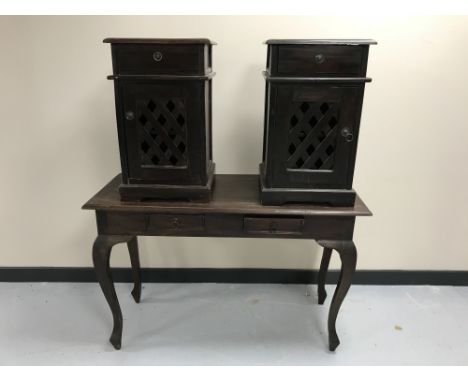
pixel 101 255
pixel 136 295
pixel 348 256
pixel 136 271
pixel 322 276
pixel 116 338
pixel 322 295
pixel 333 342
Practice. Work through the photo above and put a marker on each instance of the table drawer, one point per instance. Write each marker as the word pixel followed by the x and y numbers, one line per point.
pixel 271 225
pixel 321 60
pixel 174 224
pixel 156 59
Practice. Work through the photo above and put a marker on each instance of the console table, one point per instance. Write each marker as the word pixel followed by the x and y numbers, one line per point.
pixel 234 211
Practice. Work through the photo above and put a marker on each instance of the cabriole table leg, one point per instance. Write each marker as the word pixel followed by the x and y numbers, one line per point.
pixel 348 255
pixel 136 272
pixel 101 255
pixel 322 276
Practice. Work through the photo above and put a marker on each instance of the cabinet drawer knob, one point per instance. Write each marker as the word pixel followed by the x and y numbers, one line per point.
pixel 129 116
pixel 347 134
pixel 157 56
pixel 176 223
pixel 319 58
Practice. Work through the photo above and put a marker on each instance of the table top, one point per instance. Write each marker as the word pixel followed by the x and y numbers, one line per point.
pixel 232 194
pixel 170 41
pixel 333 41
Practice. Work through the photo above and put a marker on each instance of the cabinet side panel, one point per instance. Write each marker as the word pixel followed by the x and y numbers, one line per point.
pixel 269 141
pixel 119 113
pixel 208 123
pixel 356 127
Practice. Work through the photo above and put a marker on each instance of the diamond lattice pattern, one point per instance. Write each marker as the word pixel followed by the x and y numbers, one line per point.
pixel 162 132
pixel 312 137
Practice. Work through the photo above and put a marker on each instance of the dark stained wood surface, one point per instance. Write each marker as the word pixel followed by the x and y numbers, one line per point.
pixel 163 95
pixel 313 102
pixel 168 77
pixel 316 80
pixel 142 40
pixel 321 42
pixel 234 211
pixel 233 194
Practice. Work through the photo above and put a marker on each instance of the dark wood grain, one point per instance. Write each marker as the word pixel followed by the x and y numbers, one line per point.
pixel 321 42
pixel 348 256
pixel 233 194
pixel 313 101
pixel 322 276
pixel 101 258
pixel 315 80
pixel 175 59
pixel 136 269
pixel 170 41
pixel 163 109
pixel 335 60
pixel 234 211
pixel 225 225
pixel 271 225
pixel 141 189
pixel 163 77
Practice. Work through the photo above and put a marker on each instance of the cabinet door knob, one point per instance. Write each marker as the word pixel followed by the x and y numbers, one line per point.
pixel 347 134
pixel 319 58
pixel 157 56
pixel 129 115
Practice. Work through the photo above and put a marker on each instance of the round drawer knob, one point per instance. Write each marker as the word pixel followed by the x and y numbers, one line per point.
pixel 176 223
pixel 157 56
pixel 129 115
pixel 319 58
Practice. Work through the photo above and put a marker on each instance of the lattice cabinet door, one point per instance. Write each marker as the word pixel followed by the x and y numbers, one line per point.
pixel 313 141
pixel 162 124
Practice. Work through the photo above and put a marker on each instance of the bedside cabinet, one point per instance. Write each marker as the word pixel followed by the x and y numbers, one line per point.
pixel 313 101
pixel 163 108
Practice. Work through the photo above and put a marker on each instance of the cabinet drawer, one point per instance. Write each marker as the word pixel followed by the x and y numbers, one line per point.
pixel 174 224
pixel 321 60
pixel 155 59
pixel 269 225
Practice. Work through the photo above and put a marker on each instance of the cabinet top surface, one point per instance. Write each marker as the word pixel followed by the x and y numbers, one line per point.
pixel 321 42
pixel 175 41
pixel 233 194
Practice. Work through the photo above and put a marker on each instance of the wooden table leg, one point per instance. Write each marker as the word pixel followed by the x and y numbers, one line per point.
pixel 322 276
pixel 101 255
pixel 136 271
pixel 348 255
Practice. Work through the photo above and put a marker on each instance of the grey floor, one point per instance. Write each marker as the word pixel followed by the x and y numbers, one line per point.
pixel 224 324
